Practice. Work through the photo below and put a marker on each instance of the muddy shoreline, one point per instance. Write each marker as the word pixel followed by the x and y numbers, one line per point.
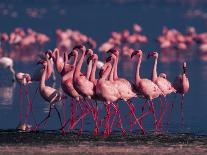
pixel 52 142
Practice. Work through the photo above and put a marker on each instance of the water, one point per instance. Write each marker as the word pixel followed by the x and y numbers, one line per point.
pixel 97 19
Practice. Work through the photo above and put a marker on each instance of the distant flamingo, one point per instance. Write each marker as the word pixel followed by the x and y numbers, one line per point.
pixel 49 94
pixel 146 87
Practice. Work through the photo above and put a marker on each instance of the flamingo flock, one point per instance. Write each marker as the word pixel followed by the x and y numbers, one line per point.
pixel 86 91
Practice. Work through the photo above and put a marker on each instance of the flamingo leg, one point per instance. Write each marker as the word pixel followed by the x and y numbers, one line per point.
pixel 107 128
pixel 120 119
pixel 20 104
pixel 96 130
pixel 154 115
pixel 62 129
pixel 63 110
pixel 182 112
pixel 45 119
pixel 171 109
pixel 142 129
pixel 29 106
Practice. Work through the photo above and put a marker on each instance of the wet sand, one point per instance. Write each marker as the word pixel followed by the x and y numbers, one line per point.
pixel 52 142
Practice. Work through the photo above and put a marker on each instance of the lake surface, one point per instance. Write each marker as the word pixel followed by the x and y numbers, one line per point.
pixel 98 19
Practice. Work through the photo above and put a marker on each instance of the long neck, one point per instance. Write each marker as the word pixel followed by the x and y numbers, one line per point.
pixel 75 59
pixel 79 65
pixel 111 76
pixel 116 68
pixel 154 71
pixel 43 78
pixel 107 71
pixel 93 72
pixel 58 62
pixel 137 77
pixel 89 69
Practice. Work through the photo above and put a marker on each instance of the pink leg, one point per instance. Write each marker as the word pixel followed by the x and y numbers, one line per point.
pixel 29 104
pixel 120 119
pixel 142 129
pixel 182 113
pixel 20 103
pixel 106 132
pixel 168 119
pixel 45 119
pixel 96 130
pixel 154 115
pixel 63 110
pixel 62 129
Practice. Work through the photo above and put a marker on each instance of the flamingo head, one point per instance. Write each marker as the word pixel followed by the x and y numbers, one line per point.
pixel 136 52
pixel 184 67
pixel 79 47
pixel 114 51
pixel 92 57
pixel 73 53
pixel 89 52
pixel 152 54
pixel 42 62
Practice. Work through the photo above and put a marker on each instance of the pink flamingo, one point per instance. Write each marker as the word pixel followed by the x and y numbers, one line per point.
pixel 164 85
pixel 67 84
pixel 146 87
pixel 182 86
pixel 124 86
pixel 24 79
pixel 106 92
pixel 49 94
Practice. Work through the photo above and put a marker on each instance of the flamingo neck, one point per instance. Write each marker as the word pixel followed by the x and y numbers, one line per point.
pixel 107 71
pixel 75 59
pixel 93 72
pixel 43 78
pixel 154 71
pixel 89 69
pixel 137 77
pixel 111 76
pixel 58 63
pixel 79 65
pixel 116 68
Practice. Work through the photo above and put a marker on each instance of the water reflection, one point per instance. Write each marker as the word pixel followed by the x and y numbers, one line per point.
pixel 6 96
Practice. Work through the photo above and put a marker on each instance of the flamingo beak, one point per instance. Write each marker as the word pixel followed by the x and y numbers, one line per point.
pixel 150 55
pixel 89 52
pixel 109 59
pixel 77 47
pixel 70 55
pixel 40 62
pixel 184 67
pixel 133 54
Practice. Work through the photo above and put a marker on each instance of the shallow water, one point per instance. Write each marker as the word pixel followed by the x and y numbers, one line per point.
pixel 97 20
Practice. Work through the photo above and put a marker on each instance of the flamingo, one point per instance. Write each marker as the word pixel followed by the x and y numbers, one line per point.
pixel 124 86
pixel 24 79
pixel 182 86
pixel 67 83
pixel 164 85
pixel 146 87
pixel 106 91
pixel 81 82
pixel 49 94
pixel 57 59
